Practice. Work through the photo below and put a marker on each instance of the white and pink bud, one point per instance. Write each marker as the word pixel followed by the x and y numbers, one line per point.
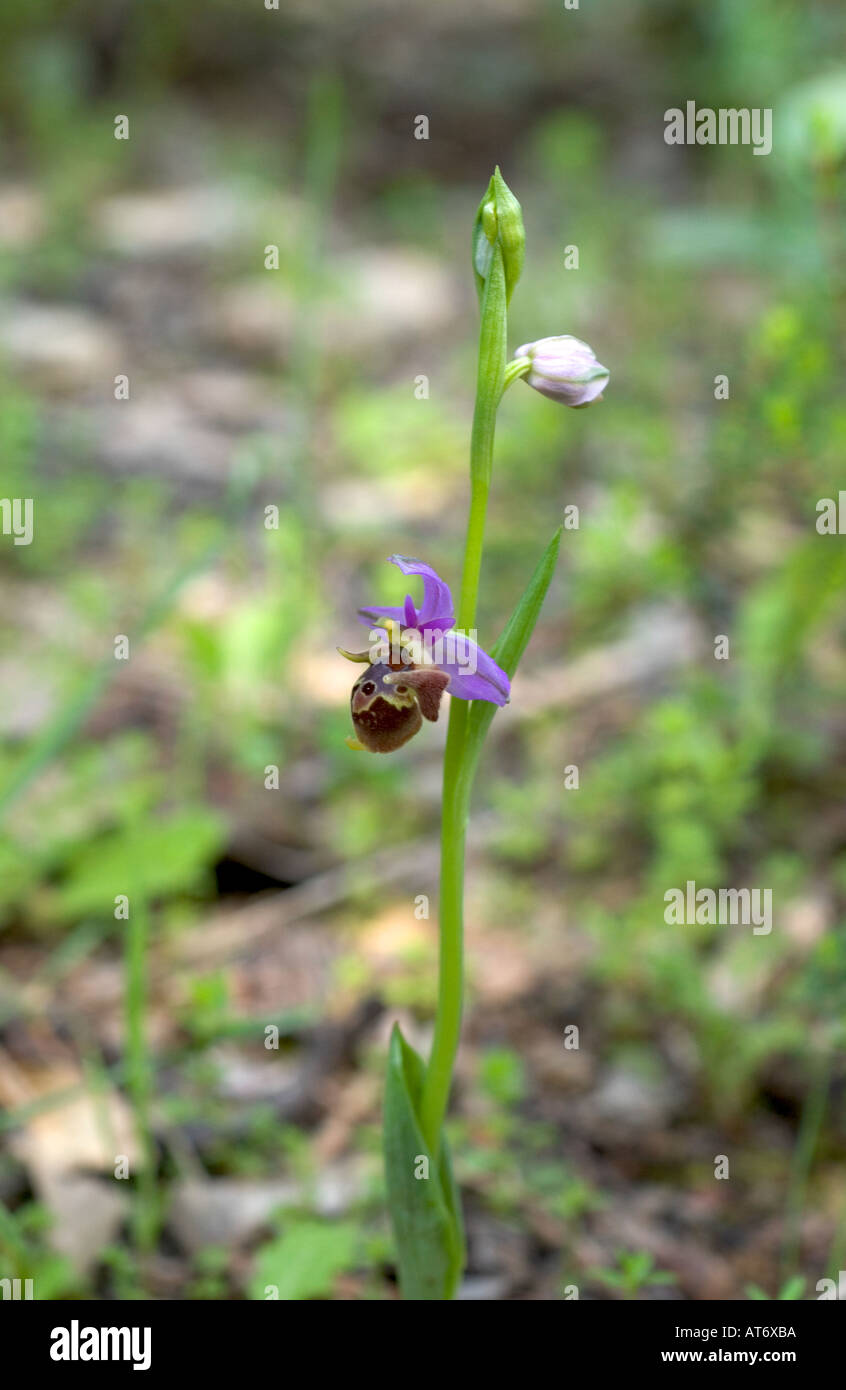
pixel 565 369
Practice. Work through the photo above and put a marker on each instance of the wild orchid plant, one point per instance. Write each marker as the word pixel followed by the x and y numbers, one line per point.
pixel 417 655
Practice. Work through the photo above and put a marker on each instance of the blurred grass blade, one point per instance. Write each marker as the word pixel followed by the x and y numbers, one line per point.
pixel 425 1210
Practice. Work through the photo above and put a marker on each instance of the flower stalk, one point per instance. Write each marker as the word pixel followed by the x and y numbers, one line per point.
pixel 458 777
pixel 402 686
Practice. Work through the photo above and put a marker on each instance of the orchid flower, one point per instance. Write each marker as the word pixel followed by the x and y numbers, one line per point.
pixel 425 656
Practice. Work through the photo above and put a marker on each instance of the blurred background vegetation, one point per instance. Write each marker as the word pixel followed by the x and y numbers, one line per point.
pixel 299 906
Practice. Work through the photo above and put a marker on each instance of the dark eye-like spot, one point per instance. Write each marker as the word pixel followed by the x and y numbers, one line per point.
pixel 368 688
pixel 402 689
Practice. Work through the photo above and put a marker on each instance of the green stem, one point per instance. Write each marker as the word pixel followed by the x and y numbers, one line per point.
pixel 458 769
pixel 517 367
pixel 490 383
pixel 138 1070
pixel 813 1114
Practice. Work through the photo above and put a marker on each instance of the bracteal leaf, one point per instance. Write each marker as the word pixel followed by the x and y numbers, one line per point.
pixel 514 638
pixel 425 1211
pixel 512 643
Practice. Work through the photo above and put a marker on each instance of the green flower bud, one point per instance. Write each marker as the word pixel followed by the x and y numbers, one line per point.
pixel 499 219
pixel 489 221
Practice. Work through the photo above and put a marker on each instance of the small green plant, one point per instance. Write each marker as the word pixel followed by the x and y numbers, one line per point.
pixel 25 1253
pixel 305 1259
pixel 635 1270
pixel 210 1274
pixel 791 1290
pixel 502 1075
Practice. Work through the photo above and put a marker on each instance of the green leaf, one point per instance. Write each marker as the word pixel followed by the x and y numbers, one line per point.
pixel 793 1288
pixel 425 1211
pixel 305 1260
pixel 167 856
pixel 514 639
pixel 512 643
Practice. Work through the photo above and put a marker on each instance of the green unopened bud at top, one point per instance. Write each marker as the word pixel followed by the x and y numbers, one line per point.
pixel 499 221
